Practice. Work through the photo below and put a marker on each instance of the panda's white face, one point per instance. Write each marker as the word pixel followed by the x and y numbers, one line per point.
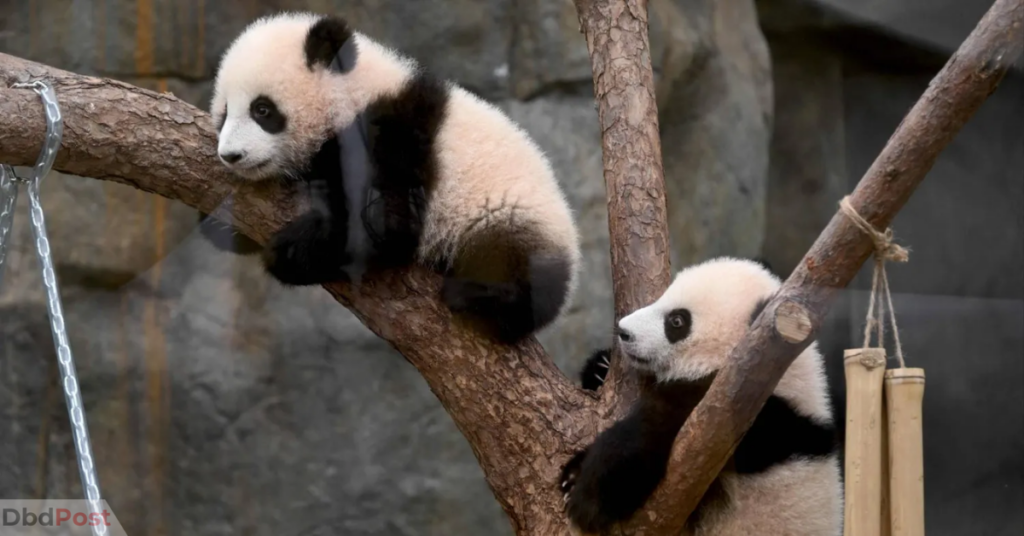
pixel 689 331
pixel 272 110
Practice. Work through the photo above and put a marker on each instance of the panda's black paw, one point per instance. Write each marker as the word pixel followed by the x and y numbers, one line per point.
pixel 495 309
pixel 583 498
pixel 567 479
pixel 595 370
pixel 307 251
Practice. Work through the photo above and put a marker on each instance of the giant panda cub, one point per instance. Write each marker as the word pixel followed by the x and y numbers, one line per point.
pixel 399 166
pixel 783 478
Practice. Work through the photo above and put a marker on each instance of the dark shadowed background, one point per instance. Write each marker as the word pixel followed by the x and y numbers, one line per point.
pixel 220 403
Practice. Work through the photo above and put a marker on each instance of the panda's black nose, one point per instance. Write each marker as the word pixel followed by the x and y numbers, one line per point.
pixel 624 335
pixel 231 158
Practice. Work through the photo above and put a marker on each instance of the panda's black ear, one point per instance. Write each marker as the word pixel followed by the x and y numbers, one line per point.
pixel 765 264
pixel 330 38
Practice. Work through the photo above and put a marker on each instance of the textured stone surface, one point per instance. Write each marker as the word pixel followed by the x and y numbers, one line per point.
pixel 807 172
pixel 939 23
pixel 464 39
pixel 720 104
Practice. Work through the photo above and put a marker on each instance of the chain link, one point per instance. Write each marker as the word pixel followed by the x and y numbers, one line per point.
pixel 69 376
pixel 8 198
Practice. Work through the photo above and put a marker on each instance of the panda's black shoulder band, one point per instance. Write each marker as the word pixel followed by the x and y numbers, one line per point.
pixel 780 434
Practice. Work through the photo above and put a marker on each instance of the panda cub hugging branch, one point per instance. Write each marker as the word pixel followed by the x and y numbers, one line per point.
pixel 399 167
pixel 783 478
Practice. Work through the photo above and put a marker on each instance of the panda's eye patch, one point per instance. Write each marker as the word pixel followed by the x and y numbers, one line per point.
pixel 677 325
pixel 266 114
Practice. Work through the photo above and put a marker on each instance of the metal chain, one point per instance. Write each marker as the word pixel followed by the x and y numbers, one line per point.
pixel 8 198
pixel 69 376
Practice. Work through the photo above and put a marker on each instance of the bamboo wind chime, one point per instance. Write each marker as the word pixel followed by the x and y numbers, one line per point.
pixel 884 462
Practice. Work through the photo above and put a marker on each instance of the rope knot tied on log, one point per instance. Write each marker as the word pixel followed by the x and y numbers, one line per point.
pixel 885 248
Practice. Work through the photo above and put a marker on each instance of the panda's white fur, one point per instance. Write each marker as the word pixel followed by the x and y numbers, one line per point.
pixel 491 180
pixel 795 491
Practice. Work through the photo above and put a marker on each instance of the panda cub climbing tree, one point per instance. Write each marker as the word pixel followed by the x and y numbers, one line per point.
pixel 783 478
pixel 400 167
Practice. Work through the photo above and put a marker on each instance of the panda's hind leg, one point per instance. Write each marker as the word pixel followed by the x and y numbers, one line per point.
pixel 507 284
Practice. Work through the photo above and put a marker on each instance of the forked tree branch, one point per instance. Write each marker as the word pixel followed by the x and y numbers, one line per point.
pixel 521 416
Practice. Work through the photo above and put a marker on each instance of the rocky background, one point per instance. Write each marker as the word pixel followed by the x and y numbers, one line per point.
pixel 220 403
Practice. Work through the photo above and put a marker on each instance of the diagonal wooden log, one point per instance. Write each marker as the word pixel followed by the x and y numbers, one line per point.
pixel 758 362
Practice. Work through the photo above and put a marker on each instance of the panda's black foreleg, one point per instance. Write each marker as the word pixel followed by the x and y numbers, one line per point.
pixel 311 249
pixel 506 288
pixel 607 483
pixel 395 222
pixel 308 251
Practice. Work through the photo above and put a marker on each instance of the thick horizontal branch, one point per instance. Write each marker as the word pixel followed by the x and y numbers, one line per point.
pixel 759 361
pixel 512 404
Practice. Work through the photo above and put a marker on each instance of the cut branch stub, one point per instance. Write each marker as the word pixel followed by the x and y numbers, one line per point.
pixel 792 322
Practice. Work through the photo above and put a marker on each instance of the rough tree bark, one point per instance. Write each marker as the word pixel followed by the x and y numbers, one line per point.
pixel 521 416
pixel 627 110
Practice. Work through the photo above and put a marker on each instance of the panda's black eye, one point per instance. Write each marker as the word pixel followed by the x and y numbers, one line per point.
pixel 266 114
pixel 677 325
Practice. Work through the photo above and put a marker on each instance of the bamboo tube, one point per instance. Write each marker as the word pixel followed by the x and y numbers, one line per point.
pixel 904 393
pixel 883 513
pixel 865 369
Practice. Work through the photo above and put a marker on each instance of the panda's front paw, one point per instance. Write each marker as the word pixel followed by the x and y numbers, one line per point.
pixel 307 251
pixel 583 496
pixel 567 479
pixel 595 371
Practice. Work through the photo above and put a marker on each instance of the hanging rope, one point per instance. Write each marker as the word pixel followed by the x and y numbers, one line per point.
pixel 885 250
pixel 69 376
